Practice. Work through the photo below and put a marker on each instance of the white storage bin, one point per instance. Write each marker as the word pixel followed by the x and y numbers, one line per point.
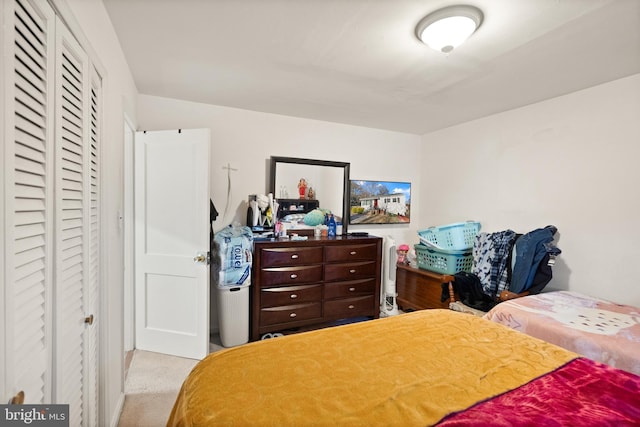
pixel 233 315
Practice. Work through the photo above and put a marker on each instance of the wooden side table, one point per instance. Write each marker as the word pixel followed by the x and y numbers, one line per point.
pixel 420 289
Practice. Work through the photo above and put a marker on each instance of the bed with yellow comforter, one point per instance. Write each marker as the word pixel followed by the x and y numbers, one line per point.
pixel 422 368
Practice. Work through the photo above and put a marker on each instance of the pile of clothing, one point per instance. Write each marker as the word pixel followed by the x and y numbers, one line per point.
pixel 506 261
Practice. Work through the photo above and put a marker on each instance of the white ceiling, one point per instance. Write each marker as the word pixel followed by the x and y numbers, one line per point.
pixel 359 62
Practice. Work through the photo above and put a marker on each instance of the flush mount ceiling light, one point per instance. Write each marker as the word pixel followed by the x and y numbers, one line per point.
pixel 447 28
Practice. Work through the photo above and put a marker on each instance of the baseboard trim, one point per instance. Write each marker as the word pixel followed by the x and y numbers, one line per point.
pixel 116 414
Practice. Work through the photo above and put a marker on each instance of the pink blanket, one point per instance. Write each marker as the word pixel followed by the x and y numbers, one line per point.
pixel 580 393
pixel 598 329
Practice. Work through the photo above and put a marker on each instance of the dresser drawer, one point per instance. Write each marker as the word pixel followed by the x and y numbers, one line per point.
pixel 276 257
pixel 351 252
pixel 290 275
pixel 351 288
pixel 349 307
pixel 290 313
pixel 287 295
pixel 350 271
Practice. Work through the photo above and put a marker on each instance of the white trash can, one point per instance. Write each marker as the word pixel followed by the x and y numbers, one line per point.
pixel 233 315
pixel 236 247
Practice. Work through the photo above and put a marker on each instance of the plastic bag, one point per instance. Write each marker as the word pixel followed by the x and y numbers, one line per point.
pixel 236 247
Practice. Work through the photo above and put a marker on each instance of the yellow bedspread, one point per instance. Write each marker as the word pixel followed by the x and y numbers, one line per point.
pixel 406 370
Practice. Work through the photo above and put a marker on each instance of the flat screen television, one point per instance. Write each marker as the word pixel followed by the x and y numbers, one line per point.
pixel 379 202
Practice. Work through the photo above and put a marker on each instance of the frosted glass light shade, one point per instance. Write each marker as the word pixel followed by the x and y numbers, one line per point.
pixel 446 29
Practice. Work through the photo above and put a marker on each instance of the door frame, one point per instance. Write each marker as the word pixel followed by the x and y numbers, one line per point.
pixel 128 237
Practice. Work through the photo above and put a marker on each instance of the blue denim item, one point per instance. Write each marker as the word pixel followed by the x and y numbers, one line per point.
pixel 530 249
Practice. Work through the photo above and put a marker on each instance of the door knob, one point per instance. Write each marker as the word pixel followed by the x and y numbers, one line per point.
pixel 89 320
pixel 18 399
pixel 201 258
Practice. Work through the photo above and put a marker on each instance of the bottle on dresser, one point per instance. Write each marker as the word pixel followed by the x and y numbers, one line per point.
pixel 332 226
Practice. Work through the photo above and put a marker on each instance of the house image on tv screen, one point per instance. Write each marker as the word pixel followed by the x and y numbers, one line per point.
pixel 379 202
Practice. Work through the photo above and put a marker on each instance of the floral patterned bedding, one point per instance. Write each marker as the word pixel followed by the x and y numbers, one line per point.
pixel 595 328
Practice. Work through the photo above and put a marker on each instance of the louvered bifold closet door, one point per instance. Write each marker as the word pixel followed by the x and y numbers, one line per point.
pixel 93 283
pixel 72 222
pixel 29 67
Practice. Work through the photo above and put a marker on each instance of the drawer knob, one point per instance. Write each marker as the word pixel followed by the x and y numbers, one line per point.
pixel 294 256
pixel 292 315
pixel 294 276
pixel 352 271
pixel 352 289
pixel 293 296
pixel 352 306
pixel 353 253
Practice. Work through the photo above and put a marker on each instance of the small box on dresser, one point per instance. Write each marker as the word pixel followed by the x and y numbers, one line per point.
pixel 310 283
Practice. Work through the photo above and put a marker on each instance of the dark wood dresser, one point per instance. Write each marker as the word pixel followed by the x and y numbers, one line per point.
pixel 310 283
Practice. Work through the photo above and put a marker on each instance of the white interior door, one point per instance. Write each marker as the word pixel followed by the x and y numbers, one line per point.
pixel 171 230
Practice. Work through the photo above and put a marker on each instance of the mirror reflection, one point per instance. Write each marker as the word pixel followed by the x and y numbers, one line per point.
pixel 301 185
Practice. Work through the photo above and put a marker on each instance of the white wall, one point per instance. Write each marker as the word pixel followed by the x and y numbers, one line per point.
pixel 570 161
pixel 90 22
pixel 246 140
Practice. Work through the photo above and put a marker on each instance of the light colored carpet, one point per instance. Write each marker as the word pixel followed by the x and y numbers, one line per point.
pixel 147 410
pixel 151 387
pixel 156 373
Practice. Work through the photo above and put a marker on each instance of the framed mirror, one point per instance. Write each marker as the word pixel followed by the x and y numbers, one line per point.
pixel 327 181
